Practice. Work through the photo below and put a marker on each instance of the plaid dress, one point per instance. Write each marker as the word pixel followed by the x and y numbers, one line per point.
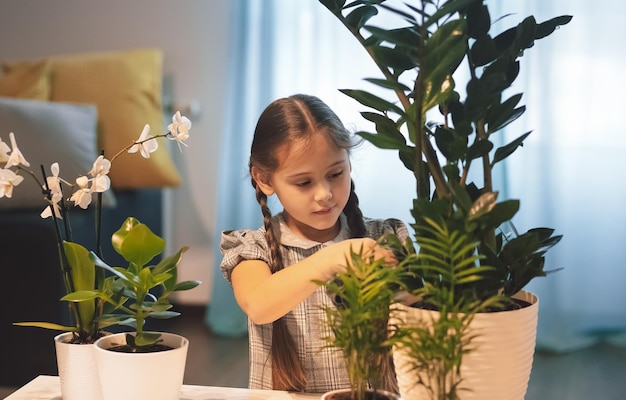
pixel 324 367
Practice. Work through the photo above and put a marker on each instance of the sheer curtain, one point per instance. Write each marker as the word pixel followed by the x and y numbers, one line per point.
pixel 566 175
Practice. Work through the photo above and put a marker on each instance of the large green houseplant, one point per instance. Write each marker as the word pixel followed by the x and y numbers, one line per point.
pixel 469 256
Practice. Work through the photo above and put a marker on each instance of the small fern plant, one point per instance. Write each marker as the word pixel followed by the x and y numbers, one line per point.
pixel 363 295
pixel 436 347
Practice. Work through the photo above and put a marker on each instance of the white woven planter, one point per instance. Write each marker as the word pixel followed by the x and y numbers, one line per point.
pixel 132 376
pixel 77 368
pixel 499 366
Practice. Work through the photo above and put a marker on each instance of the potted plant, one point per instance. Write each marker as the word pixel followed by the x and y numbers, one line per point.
pixel 358 321
pixel 470 258
pixel 138 292
pixel 80 275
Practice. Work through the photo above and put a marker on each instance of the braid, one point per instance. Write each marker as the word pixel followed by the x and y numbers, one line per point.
pixel 354 215
pixel 287 370
pixel 276 260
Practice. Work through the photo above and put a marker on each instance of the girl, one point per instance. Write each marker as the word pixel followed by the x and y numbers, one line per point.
pixel 300 153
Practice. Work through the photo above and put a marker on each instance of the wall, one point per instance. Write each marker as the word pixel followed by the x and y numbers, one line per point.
pixel 194 37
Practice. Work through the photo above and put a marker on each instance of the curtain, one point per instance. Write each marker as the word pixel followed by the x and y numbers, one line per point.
pixel 566 175
pixel 249 90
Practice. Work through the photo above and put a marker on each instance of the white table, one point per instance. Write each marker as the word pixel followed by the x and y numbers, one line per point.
pixel 45 387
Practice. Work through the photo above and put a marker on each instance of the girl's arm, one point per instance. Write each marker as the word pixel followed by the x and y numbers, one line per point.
pixel 265 297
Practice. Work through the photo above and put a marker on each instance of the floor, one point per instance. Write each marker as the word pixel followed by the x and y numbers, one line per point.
pixel 593 373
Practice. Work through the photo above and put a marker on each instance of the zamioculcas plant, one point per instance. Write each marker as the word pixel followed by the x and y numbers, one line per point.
pixel 442 130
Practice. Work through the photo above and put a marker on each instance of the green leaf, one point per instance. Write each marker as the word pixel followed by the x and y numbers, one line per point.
pixel 478 20
pixel 185 285
pixel 136 242
pixel 387 84
pixel 501 115
pixel 505 151
pixel 373 101
pixel 484 51
pixel 83 273
pixel 335 6
pixel 404 37
pixel 359 16
pixel 479 149
pixel 394 58
pixel 47 325
pixel 546 28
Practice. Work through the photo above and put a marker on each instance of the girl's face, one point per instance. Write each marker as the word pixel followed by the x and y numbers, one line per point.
pixel 312 182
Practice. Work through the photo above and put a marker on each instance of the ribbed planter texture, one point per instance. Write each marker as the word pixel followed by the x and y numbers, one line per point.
pixel 499 366
pixel 132 376
pixel 77 368
pixel 345 394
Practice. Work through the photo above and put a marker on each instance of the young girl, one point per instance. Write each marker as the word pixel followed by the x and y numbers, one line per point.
pixel 300 153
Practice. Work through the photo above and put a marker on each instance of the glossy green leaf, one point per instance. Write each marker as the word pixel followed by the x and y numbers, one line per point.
pixel 478 20
pixel 137 243
pixel 484 51
pixel 358 17
pixel 501 115
pixel 505 151
pixel 548 27
pixel 479 149
pixel 394 58
pixel 333 5
pixel 373 101
pixel 83 272
pixel 387 84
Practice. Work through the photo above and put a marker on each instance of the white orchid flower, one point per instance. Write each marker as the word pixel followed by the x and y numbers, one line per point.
pixel 46 213
pixel 16 157
pixel 101 182
pixel 4 151
pixel 54 183
pixel 101 166
pixel 82 196
pixel 146 143
pixel 8 180
pixel 179 128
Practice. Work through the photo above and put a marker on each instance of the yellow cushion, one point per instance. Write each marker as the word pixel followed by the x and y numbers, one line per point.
pixel 26 80
pixel 125 86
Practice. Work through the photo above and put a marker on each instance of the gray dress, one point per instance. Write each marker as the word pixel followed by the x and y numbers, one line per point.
pixel 324 367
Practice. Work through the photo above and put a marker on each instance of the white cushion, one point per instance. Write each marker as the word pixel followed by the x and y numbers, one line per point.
pixel 48 132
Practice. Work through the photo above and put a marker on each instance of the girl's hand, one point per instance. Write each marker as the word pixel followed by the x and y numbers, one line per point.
pixel 340 253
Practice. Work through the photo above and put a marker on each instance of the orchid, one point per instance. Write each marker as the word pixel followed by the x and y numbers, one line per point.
pixel 8 179
pixel 75 259
pixel 144 144
pixel 16 157
pixel 179 128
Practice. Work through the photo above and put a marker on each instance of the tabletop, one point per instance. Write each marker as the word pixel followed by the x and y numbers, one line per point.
pixel 46 387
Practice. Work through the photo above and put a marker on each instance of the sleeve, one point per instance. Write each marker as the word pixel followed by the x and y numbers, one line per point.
pixel 378 227
pixel 240 245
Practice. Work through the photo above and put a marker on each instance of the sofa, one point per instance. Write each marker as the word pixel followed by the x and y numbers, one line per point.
pixel 68 109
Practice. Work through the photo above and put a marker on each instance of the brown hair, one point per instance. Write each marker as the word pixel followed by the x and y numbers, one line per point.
pixel 285 121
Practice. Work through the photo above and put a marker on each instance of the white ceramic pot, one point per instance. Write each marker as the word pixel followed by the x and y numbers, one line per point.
pixel 499 366
pixel 344 394
pixel 131 376
pixel 77 368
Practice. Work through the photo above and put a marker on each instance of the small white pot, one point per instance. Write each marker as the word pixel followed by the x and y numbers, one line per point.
pixel 77 368
pixel 131 376
pixel 343 394
pixel 498 367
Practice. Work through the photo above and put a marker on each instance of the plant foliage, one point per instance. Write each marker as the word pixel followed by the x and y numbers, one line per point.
pixel 469 254
pixel 363 293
